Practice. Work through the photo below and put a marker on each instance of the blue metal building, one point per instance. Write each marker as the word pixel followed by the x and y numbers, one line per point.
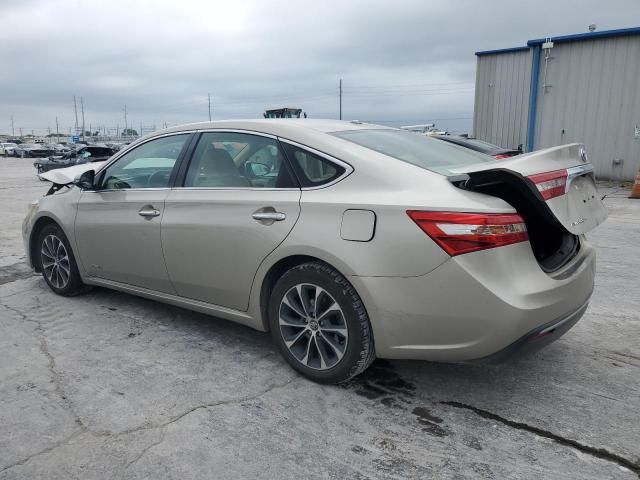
pixel 571 88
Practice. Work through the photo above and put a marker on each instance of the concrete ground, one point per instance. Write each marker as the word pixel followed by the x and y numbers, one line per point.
pixel 107 385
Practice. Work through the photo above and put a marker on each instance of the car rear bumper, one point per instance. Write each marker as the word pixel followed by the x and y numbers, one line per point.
pixel 477 305
pixel 536 339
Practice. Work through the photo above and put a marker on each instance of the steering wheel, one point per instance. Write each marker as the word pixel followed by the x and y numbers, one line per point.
pixel 158 179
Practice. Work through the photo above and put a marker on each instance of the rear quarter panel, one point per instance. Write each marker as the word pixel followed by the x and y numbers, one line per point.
pixel 399 248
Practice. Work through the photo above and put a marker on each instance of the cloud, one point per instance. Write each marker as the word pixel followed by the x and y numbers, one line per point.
pixel 401 62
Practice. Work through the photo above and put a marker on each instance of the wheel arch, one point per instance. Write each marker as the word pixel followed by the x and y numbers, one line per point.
pixel 39 224
pixel 276 270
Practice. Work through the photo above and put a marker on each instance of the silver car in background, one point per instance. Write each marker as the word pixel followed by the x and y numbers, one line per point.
pixel 347 241
pixel 7 148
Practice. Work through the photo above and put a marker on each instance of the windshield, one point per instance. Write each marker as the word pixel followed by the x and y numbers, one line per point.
pixel 414 148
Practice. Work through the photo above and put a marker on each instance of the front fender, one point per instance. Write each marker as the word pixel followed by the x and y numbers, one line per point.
pixel 60 208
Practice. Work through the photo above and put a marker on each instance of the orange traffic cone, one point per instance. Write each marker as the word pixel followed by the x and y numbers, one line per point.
pixel 635 190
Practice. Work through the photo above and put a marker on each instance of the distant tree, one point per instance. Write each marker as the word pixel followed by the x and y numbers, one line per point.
pixel 96 133
pixel 129 132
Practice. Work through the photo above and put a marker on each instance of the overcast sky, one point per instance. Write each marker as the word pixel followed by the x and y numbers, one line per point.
pixel 401 62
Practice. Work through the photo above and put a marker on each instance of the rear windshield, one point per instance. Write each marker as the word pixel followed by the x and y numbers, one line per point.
pixel 415 148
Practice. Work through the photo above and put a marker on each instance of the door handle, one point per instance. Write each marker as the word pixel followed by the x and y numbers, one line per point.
pixel 148 212
pixel 269 216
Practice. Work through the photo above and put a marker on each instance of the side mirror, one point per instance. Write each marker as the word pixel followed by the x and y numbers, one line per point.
pixel 85 180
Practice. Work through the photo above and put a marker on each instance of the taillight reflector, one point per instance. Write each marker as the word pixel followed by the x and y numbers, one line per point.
pixel 457 232
pixel 550 184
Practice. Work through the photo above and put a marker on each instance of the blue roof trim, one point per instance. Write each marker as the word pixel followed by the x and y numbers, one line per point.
pixel 502 50
pixel 587 36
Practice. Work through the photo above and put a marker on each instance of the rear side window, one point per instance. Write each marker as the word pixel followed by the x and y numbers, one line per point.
pixel 312 170
pixel 415 148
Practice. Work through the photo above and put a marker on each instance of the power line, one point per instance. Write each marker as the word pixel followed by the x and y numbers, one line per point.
pixel 414 93
pixel 413 120
pixel 413 85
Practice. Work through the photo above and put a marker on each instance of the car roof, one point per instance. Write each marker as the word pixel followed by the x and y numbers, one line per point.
pixel 277 126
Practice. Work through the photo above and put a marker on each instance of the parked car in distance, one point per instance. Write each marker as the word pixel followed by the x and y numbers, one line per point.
pixel 43 150
pixel 347 241
pixel 480 146
pixel 7 148
pixel 25 149
pixel 85 154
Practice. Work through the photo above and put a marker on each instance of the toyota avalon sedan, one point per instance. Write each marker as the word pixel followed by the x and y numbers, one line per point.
pixel 347 241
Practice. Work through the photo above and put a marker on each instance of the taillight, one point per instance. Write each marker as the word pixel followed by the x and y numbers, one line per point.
pixel 458 232
pixel 550 184
pixel 501 156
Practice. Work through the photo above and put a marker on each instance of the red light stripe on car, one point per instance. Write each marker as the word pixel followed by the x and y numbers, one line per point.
pixel 550 184
pixel 458 232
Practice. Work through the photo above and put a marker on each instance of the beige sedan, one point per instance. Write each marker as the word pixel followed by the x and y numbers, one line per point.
pixel 347 241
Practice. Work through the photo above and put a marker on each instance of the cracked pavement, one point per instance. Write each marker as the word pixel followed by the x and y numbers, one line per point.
pixel 107 385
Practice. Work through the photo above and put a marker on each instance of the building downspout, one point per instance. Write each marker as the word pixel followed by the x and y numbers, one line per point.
pixel 533 98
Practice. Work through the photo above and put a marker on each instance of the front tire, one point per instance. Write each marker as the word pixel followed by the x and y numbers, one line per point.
pixel 320 325
pixel 57 262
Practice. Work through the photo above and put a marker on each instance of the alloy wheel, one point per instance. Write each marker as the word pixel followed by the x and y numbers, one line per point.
pixel 313 326
pixel 55 261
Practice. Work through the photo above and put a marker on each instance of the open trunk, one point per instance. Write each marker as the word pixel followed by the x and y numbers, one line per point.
pixel 553 190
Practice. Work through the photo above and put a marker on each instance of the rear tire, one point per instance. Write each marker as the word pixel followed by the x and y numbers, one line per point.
pixel 57 262
pixel 320 325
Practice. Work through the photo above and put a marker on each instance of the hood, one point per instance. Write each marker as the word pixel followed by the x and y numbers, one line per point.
pixel 63 176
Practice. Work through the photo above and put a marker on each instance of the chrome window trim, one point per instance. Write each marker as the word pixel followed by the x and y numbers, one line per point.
pixel 124 151
pixel 237 130
pixel 259 189
pixel 348 169
pixel 156 189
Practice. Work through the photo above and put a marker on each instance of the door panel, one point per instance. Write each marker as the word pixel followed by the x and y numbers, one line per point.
pixel 213 245
pixel 115 242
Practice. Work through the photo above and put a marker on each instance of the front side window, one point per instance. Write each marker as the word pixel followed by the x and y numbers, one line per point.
pixel 146 166
pixel 312 170
pixel 237 160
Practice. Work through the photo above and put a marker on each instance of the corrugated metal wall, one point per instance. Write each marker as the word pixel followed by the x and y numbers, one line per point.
pixel 502 98
pixel 593 98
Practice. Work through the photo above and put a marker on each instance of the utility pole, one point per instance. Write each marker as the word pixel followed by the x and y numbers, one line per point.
pixel 340 99
pixel 13 129
pixel 140 132
pixel 125 120
pixel 82 108
pixel 75 109
pixel 57 129
pixel 209 106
